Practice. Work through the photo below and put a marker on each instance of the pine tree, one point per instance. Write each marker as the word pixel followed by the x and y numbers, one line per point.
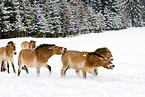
pixel 25 17
pixel 93 20
pixel 80 16
pixel 19 25
pixel 133 11
pixel 143 3
pixel 101 21
pixel 1 17
pixel 66 18
pixel 9 16
pixel 40 25
pixel 74 17
pixel 55 18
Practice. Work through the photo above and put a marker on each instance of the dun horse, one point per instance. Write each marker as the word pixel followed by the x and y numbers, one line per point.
pixel 28 45
pixel 84 61
pixel 104 52
pixel 38 57
pixel 6 55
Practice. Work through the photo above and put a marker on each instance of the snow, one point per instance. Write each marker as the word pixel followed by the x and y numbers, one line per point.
pixel 127 79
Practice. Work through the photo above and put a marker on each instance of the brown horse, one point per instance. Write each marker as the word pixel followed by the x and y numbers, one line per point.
pixel 105 52
pixel 38 57
pixel 85 61
pixel 6 55
pixel 28 45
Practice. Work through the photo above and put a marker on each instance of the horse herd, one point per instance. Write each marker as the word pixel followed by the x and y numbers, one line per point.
pixel 37 57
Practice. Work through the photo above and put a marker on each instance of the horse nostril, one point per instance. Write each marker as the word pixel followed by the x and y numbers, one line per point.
pixel 113 65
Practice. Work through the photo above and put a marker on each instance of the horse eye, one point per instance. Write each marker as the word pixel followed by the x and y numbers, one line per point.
pixel 111 59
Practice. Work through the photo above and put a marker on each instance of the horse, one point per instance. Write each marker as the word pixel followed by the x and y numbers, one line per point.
pixel 6 55
pixel 84 61
pixel 38 57
pixel 28 45
pixel 105 52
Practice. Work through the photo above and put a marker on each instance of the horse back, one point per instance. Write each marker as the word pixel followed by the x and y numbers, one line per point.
pixel 74 59
pixel 27 56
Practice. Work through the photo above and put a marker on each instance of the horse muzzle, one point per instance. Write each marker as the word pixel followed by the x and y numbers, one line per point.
pixel 111 66
pixel 64 50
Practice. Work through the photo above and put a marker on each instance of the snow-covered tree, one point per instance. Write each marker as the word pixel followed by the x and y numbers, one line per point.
pixel 133 10
pixel 55 18
pixel 101 21
pixel 2 25
pixel 9 16
pixel 25 17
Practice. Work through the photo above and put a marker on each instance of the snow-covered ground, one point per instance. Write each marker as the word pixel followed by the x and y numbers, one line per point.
pixel 127 79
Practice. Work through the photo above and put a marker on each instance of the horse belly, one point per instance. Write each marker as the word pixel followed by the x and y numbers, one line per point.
pixel 30 64
pixel 92 70
pixel 2 54
pixel 29 60
pixel 76 65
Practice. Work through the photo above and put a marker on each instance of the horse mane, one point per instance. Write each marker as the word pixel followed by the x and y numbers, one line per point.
pixel 99 49
pixel 96 54
pixel 10 42
pixel 33 41
pixel 44 45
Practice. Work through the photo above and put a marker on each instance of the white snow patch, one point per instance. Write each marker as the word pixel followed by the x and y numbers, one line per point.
pixel 127 79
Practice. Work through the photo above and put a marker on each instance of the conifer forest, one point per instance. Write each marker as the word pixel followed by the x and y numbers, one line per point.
pixel 62 18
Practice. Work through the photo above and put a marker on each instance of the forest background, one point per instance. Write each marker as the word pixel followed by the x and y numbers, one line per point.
pixel 61 18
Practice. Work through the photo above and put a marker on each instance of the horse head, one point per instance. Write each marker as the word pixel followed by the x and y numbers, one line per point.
pixel 12 47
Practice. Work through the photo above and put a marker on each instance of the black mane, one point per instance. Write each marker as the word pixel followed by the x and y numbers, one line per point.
pixel 10 42
pixel 44 45
pixel 96 54
pixel 99 49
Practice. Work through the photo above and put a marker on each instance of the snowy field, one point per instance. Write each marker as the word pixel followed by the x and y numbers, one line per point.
pixel 127 79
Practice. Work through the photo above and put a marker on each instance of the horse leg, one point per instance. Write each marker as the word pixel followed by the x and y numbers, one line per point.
pixel 12 62
pixel 20 66
pixel 64 69
pixel 96 71
pixel 84 73
pixel 38 71
pixel 23 67
pixel 26 68
pixel 77 72
pixel 49 67
pixel 3 65
pixel 8 66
